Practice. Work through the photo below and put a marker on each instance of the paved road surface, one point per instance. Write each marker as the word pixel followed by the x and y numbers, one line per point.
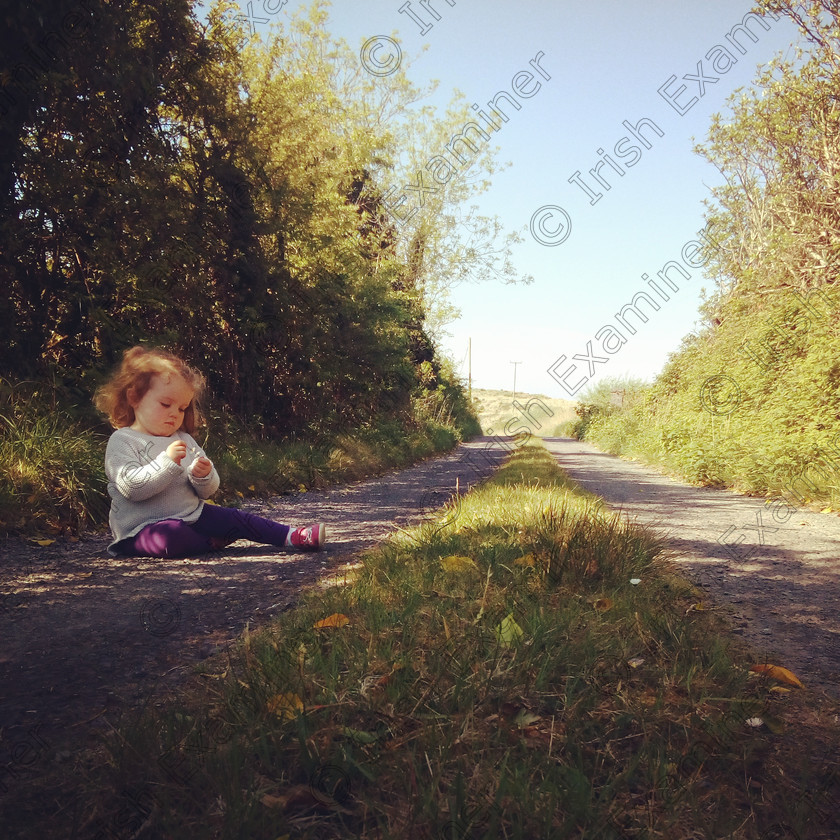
pixel 774 569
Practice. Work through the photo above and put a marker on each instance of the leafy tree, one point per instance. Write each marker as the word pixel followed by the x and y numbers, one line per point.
pixel 752 399
pixel 192 185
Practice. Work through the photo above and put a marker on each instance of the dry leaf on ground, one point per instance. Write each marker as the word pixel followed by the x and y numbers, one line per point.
pixel 334 620
pixel 286 705
pixel 778 673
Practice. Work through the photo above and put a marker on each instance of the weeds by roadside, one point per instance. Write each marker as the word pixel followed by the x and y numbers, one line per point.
pixel 522 666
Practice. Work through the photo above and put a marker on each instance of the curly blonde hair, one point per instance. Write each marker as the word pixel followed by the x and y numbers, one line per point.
pixel 133 379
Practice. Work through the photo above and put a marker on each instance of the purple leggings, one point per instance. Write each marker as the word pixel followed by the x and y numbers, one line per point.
pixel 212 531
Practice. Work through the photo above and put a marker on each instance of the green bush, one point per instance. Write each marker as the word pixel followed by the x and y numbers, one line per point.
pixel 724 412
pixel 51 475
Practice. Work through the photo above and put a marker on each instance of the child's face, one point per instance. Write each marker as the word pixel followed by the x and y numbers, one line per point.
pixel 161 410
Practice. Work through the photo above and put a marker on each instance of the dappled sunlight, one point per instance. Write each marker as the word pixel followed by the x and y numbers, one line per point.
pixel 69 605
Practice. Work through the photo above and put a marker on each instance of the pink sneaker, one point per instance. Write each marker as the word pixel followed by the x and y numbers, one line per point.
pixel 308 538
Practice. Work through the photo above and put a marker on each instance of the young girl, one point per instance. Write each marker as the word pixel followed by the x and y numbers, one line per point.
pixel 159 477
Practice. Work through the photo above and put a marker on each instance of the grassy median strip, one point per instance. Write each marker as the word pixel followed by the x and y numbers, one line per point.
pixel 525 664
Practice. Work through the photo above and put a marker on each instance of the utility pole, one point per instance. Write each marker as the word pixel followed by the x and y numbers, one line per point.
pixel 469 367
pixel 515 365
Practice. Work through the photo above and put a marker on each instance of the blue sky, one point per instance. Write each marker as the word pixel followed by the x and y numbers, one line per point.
pixel 606 62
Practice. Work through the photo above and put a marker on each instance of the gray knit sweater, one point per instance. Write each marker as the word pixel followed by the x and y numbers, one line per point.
pixel 146 485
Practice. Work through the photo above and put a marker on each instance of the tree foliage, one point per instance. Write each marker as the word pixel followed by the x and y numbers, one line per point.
pixel 752 400
pixel 189 184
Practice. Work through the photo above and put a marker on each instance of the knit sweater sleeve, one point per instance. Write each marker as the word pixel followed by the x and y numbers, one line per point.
pixel 204 487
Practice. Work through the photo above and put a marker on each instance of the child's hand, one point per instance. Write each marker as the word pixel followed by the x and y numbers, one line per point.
pixel 202 467
pixel 176 451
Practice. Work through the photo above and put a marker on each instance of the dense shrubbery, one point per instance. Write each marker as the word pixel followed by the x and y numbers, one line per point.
pixel 728 411
pixel 753 400
pixel 600 402
pixel 188 186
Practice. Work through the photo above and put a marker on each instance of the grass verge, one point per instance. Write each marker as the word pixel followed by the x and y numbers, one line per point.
pixel 523 665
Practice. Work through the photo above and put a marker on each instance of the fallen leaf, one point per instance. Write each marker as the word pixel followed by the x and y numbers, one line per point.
pixel 525 718
pixel 603 604
pixel 287 705
pixel 635 662
pixel 778 673
pixel 42 542
pixel 359 736
pixel 457 563
pixel 296 798
pixel 251 487
pixel 334 620
pixel 508 631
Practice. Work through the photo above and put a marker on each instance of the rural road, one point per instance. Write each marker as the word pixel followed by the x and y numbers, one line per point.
pixel 775 571
pixel 88 639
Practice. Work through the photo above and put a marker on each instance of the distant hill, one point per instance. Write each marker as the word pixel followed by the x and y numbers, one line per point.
pixel 535 413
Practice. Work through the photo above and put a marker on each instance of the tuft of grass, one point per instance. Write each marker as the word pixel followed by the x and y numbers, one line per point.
pixel 51 477
pixel 524 664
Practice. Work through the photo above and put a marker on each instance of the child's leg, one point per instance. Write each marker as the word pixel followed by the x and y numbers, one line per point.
pixel 169 538
pixel 229 524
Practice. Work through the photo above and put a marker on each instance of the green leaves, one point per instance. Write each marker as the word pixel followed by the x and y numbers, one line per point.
pixel 752 400
pixel 508 632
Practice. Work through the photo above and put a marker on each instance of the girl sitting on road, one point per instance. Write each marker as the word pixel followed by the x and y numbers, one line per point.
pixel 159 477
